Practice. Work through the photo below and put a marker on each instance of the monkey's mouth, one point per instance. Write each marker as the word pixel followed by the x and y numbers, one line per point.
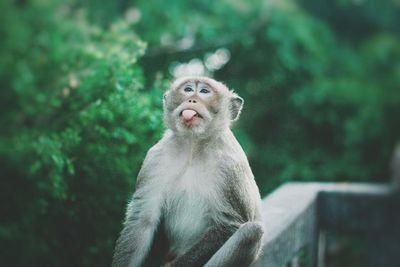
pixel 189 116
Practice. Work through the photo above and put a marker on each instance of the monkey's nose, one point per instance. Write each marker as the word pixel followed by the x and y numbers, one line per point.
pixel 192 101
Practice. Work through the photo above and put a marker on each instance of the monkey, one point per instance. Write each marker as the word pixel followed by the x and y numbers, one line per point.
pixel 195 188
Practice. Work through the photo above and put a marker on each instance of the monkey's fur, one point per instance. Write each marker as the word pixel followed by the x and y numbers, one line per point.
pixel 196 202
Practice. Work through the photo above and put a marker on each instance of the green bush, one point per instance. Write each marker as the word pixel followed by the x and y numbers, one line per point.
pixel 76 124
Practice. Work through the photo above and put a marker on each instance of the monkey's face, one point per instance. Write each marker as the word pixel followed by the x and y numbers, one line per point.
pixel 199 106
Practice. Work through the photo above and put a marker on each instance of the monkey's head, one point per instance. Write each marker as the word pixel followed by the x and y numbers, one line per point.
pixel 200 106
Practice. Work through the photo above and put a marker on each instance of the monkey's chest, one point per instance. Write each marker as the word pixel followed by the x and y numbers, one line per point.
pixel 185 222
pixel 187 215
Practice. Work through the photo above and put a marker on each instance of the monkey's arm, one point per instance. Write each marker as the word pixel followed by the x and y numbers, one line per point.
pixel 141 222
pixel 137 236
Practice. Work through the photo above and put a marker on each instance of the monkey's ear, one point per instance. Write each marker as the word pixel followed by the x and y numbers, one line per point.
pixel 235 106
pixel 165 96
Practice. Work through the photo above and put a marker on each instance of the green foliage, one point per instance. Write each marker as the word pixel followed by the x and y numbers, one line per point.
pixel 81 103
pixel 78 125
pixel 322 108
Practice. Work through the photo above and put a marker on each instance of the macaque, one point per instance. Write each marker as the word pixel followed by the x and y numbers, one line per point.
pixel 196 202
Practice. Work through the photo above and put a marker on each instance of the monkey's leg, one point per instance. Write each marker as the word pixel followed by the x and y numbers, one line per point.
pixel 203 250
pixel 241 249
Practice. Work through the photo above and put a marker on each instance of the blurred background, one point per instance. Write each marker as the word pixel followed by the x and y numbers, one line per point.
pixel 81 103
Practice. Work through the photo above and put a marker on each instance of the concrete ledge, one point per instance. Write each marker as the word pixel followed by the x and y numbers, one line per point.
pixel 294 214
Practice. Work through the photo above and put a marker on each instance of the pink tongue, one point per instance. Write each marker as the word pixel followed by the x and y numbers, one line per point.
pixel 188 114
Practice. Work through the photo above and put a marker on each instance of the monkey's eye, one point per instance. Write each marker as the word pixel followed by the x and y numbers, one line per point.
pixel 188 89
pixel 204 91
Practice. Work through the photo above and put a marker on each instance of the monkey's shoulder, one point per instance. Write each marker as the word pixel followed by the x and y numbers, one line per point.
pixel 150 166
pixel 233 163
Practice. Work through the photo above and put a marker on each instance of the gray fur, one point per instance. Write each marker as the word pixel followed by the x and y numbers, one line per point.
pixel 236 106
pixel 196 187
pixel 241 249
